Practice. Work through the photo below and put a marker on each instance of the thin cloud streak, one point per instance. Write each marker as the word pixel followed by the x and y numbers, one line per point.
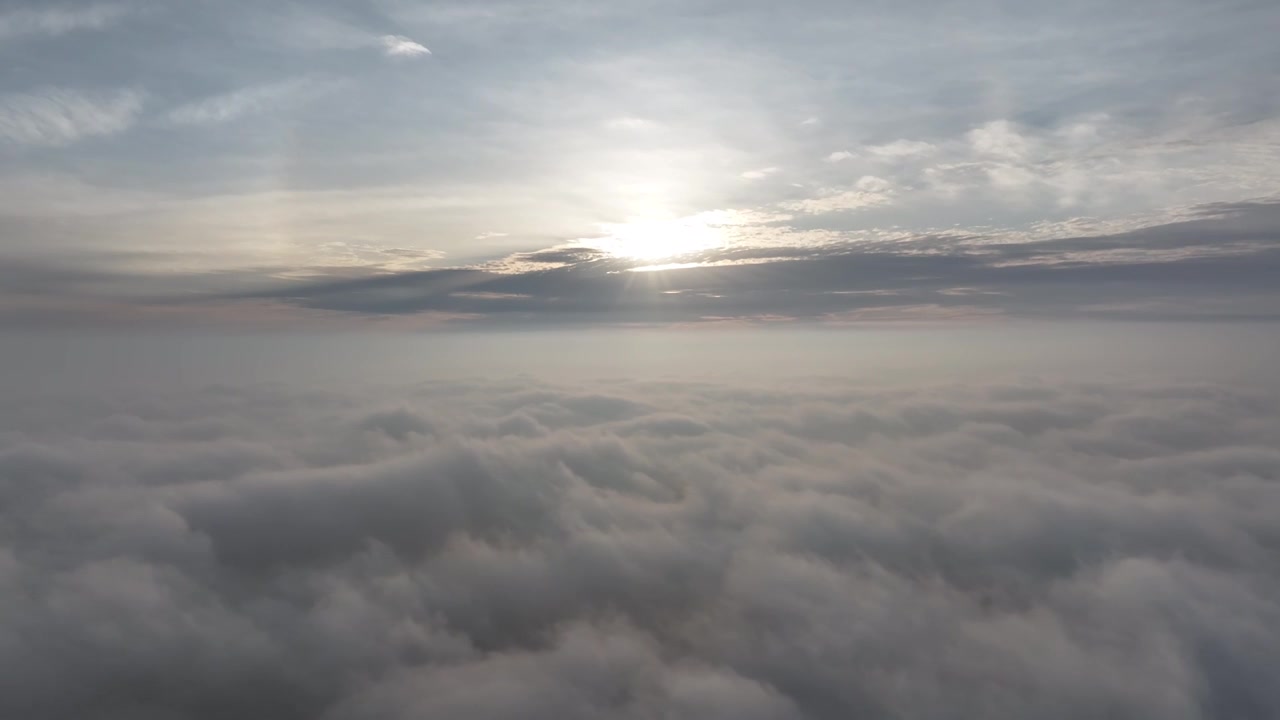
pixel 401 46
pixel 245 101
pixel 60 116
pixel 60 21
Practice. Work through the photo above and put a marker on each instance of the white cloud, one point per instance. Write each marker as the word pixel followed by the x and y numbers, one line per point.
pixel 871 183
pixel 59 116
pixel 246 101
pixel 401 46
pixel 59 21
pixel 868 191
pixel 760 173
pixel 632 549
pixel 311 27
pixel 999 138
pixel 839 156
pixel 902 148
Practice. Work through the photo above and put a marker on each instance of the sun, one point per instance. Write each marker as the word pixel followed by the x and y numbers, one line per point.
pixel 658 239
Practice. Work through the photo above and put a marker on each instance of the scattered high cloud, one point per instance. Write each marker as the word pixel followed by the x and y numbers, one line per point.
pixel 245 101
pixel 61 20
pixel 401 46
pixel 637 549
pixel 617 117
pixel 868 191
pixel 902 148
pixel 61 116
pixel 629 123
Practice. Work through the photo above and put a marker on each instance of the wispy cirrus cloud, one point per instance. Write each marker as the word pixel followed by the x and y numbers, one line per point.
pixel 60 21
pixel 245 101
pixel 401 46
pixel 306 28
pixel 60 116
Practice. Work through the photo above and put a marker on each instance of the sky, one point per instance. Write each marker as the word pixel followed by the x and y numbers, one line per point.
pixel 698 360
pixel 339 166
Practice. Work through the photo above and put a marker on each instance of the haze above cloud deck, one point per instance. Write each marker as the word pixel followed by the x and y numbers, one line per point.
pixel 216 146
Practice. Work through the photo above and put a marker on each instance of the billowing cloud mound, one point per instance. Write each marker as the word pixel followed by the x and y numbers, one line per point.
pixel 642 550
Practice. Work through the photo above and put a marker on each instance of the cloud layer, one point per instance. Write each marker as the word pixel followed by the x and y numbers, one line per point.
pixel 1219 263
pixel 821 549
pixel 401 46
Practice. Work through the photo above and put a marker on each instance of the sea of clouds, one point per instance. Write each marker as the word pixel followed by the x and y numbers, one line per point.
pixel 625 549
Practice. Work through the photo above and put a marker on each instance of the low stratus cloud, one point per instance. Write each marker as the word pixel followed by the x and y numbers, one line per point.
pixel 820 549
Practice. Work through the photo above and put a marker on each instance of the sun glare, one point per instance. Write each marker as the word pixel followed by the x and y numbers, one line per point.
pixel 658 239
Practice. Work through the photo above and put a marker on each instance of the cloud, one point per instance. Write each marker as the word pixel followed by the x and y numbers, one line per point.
pixel 802 549
pixel 245 101
pixel 1001 139
pixel 868 191
pixel 839 156
pixel 1180 270
pixel 59 116
pixel 1220 262
pixel 61 20
pixel 902 148
pixel 760 173
pixel 401 46
pixel 1078 164
pixel 553 159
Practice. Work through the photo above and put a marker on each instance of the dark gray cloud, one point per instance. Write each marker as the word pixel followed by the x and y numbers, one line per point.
pixel 808 549
pixel 566 255
pixel 1221 262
